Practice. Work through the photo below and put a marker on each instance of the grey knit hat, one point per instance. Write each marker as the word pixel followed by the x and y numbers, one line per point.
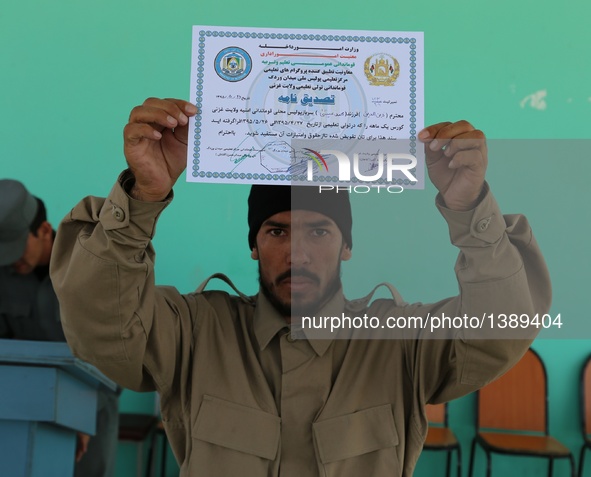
pixel 17 211
pixel 267 200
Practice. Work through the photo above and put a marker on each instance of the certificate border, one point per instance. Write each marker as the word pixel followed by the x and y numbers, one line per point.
pixel 203 34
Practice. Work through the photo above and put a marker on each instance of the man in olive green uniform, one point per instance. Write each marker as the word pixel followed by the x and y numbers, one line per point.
pixel 240 394
pixel 29 309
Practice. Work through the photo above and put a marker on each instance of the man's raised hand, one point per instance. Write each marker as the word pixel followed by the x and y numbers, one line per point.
pixel 155 145
pixel 456 157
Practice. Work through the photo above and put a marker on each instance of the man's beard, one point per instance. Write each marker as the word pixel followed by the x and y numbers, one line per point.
pixel 300 309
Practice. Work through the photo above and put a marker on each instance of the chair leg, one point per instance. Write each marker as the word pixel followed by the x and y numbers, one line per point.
pixel 472 451
pixel 448 463
pixel 459 465
pixel 140 460
pixel 151 455
pixel 164 452
pixel 572 465
pixel 550 466
pixel 488 463
pixel 581 460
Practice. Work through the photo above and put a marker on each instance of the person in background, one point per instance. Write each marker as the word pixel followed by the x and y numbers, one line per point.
pixel 29 309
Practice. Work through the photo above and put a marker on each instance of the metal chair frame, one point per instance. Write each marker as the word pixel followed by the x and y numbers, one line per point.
pixel 448 448
pixel 139 429
pixel 142 428
pixel 490 449
pixel 585 417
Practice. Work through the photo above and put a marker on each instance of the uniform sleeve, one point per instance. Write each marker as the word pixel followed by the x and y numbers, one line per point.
pixel 102 268
pixel 500 272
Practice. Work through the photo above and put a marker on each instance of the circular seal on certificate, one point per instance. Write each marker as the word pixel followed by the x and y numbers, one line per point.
pixel 381 69
pixel 233 64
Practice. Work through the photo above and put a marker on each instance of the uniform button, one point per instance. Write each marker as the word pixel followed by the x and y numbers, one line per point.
pixel 289 337
pixel 483 224
pixel 118 214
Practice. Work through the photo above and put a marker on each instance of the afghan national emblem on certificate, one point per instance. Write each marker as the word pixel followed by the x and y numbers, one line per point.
pixel 381 69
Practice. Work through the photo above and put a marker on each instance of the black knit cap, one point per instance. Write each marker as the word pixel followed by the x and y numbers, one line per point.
pixel 267 200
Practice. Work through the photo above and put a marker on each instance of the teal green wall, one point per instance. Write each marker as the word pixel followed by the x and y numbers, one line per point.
pixel 71 71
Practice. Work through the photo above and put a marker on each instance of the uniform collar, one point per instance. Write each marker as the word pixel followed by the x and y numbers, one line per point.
pixel 268 322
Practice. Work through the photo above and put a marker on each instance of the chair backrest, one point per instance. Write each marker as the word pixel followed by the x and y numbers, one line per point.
pixel 437 414
pixel 586 397
pixel 518 399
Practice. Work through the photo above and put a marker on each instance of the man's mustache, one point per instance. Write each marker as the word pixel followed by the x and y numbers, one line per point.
pixel 302 272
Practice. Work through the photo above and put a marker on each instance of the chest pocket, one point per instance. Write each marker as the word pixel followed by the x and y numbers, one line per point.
pixel 361 443
pixel 229 439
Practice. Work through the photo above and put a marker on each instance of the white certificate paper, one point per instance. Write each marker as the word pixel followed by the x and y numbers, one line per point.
pixel 286 106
